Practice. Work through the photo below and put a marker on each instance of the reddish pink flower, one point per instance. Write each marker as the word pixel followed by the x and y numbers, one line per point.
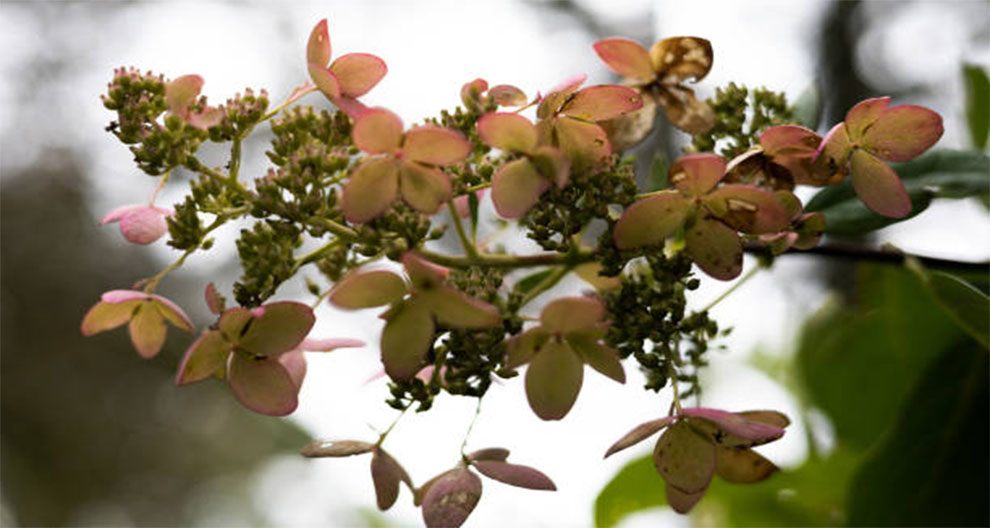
pixel 140 224
pixel 146 314
pixel 347 78
pixel 181 96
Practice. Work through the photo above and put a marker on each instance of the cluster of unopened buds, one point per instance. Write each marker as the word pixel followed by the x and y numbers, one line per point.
pixel 380 186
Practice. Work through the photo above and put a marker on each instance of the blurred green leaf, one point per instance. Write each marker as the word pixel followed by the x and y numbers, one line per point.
pixel 961 301
pixel 529 282
pixel 932 469
pixel 858 360
pixel 807 109
pixel 473 203
pixel 657 179
pixel 636 487
pixel 937 174
pixel 977 104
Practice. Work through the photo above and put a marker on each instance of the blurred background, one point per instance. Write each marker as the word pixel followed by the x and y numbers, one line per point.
pixel 877 378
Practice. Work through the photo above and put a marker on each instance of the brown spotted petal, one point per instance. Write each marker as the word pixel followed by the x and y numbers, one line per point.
pixel 367 289
pixel 651 220
pixel 553 380
pixel 731 429
pixel 678 59
pixel 386 474
pixel 748 208
pixel 628 130
pixel 451 498
pixel 715 248
pixel 831 162
pixel 335 448
pixel 697 174
pixel 515 475
pixel 742 465
pixel 684 458
pixel 684 110
pixel 638 434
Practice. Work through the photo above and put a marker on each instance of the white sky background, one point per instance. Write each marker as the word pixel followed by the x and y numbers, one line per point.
pixel 431 48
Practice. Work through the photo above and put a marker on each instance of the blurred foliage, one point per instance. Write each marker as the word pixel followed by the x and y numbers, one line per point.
pixel 92 433
pixel 977 104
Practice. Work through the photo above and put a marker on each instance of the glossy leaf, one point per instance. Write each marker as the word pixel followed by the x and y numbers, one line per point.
pixel 358 73
pixel 696 174
pixel 318 46
pixel 878 186
pixel 651 220
pixel 742 465
pixel 386 474
pixel 456 309
pixel 147 330
pixel 280 328
pixel 516 187
pixel 378 131
pixel 715 248
pixel 367 289
pixel 977 105
pixel 902 133
pixel 435 146
pixel 636 487
pixel 451 499
pixel 626 57
pixel 507 131
pixel 553 380
pixel 599 103
pixel 678 59
pixel 424 188
pixel 514 475
pixel 568 314
pixel 638 434
pixel 371 190
pixel 406 339
pixel 597 355
pixel 204 357
pixel 964 304
pixel 325 80
pixel 262 385
pixel 530 281
pixel 808 106
pixel 685 459
pixel 335 448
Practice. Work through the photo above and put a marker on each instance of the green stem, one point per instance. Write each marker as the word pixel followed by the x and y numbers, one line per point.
pixel 749 274
pixel 477 412
pixel 384 435
pixel 235 159
pixel 475 188
pixel 233 185
pixel 469 249
pixel 496 260
pixel 307 88
pixel 340 230
pixel 315 255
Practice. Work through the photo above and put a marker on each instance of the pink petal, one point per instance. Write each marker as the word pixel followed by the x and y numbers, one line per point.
pixel 568 314
pixel 651 220
pixel 626 57
pixel 118 213
pixel 329 344
pixel 106 316
pixel 638 434
pixel 553 380
pixel 209 117
pixel 143 225
pixel 748 208
pixel 514 475
pixel 456 309
pixel 171 312
pixel 386 474
pixel 462 203
pixel 281 328
pixel 507 95
pixel 551 103
pixel 600 103
pixel 788 140
pixel 680 501
pixel 831 162
pixel 262 385
pixel 147 330
pixel 294 363
pixel 696 174
pixel 214 301
pixel 204 357
pixel 498 454
pixel 902 133
pixel 335 448
pixel 451 498
pixel 378 131
pixel 423 273
pixel 119 296
pixel 864 114
pixel 406 339
pixel 352 107
pixel 471 91
pixel 318 47
pixel 733 430
pixel 182 92
pixel 367 289
pixel 424 188
pixel 325 80
pixel 233 321
pixel 585 144
pixel 507 131
pixel 684 458
pixel 879 186
pixel 516 187
pixel 371 190
pixel 570 84
pixel 715 248
pixel 358 73
pixel 435 146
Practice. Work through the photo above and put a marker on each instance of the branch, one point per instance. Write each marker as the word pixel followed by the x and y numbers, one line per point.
pixel 860 253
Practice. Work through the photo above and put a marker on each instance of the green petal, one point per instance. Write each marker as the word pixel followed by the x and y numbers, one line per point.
pixel 435 146
pixel 280 328
pixel 553 380
pixel 107 316
pixel 456 309
pixel 552 164
pixel 568 314
pixel 507 131
pixel 371 189
pixel 715 248
pixel 424 188
pixel 262 385
pixel 585 144
pixel 596 354
pixel 879 186
pixel 203 358
pixel 684 458
pixel 147 330
pixel 742 465
pixel 325 80
pixel 522 347
pixel 406 339
pixel 516 187
pixel 233 322
pixel 651 220
pixel 367 289
pixel 378 131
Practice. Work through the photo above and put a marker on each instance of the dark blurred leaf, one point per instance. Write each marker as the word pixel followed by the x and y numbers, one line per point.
pixel 859 360
pixel 937 174
pixel 529 282
pixel 977 104
pixel 636 487
pixel 473 209
pixel 961 301
pixel 932 469
pixel 807 107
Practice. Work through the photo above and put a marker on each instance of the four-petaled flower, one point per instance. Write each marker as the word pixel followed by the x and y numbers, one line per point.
pixel 146 313
pixel 872 134
pixel 181 97
pixel 408 166
pixel 347 78
pixel 700 442
pixel 409 322
pixel 140 224
pixel 569 335
pixel 710 216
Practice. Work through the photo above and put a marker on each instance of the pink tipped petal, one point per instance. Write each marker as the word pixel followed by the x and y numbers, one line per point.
pixel 507 131
pixel 570 84
pixel 552 164
pixel 182 92
pixel 879 186
pixel 651 220
pixel 731 429
pixel 902 133
pixel 600 103
pixel 143 225
pixel 435 146
pixel 371 190
pixel 597 355
pixel 516 187
pixel 830 164
pixel 515 475
pixel 471 91
pixel 569 314
pixel 553 380
pixel 294 363
pixel 496 454
pixel 715 248
pixel 209 117
pixel 147 330
pixel 358 73
pixel 585 144
pixel 451 498
pixel 684 458
pixel 626 57
pixel 741 465
pixel 318 47
pixel 680 501
pixel 863 114
pixel 748 208
pixel 507 95
pixel 638 434
pixel 521 348
pixel 262 385
pixel 281 327
pixel 233 321
pixel 352 107
pixel 335 448
pixel 325 80
pixel 406 339
pixel 550 104
pixel 457 309
pixel 423 273
pixel 424 188
pixel 696 174
pixel 789 140
pixel 117 214
pixel 463 205
pixel 119 296
pixel 173 313
pixel 386 474
pixel 107 316
pixel 368 289
pixel 378 131
pixel 329 344
pixel 214 301
pixel 203 358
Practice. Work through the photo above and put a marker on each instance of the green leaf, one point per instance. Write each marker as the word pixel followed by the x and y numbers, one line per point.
pixel 807 108
pixel 657 179
pixel 937 174
pixel 961 301
pixel 530 281
pixel 473 204
pixel 977 104
pixel 932 469
pixel 636 487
